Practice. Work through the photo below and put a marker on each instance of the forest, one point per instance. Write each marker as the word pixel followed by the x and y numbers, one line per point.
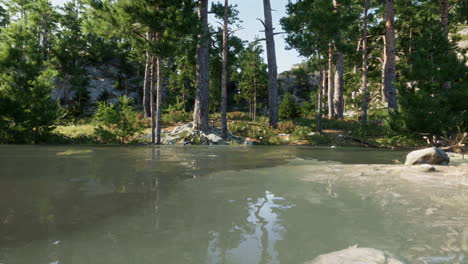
pixel 379 73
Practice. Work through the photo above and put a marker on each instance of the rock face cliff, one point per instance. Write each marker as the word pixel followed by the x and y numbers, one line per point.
pixel 298 83
pixel 105 82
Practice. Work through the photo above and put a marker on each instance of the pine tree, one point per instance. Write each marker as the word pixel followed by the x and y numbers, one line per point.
pixel 135 19
pixel 272 67
pixel 390 57
pixel 27 111
pixel 252 77
pixel 201 111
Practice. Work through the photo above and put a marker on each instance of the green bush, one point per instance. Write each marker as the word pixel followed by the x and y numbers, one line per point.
pixel 308 109
pixel 177 116
pixel 262 132
pixel 288 108
pixel 301 132
pixel 319 139
pixel 118 123
pixel 286 126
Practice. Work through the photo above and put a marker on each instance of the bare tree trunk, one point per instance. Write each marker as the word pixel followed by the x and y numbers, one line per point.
pixel 159 94
pixel 339 82
pixel 322 82
pixel 331 88
pixel 444 18
pixel 338 93
pixel 325 89
pixel 272 67
pixel 390 62
pixel 152 100
pixel 202 109
pixel 384 63
pixel 254 116
pixel 147 84
pixel 364 66
pixel 224 73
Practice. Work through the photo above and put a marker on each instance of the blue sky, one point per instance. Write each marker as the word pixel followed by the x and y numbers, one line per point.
pixel 250 10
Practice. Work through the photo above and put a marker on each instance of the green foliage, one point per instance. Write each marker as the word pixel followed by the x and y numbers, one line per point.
pixel 427 106
pixel 177 116
pixel 27 111
pixel 317 139
pixel 260 131
pixel 288 108
pixel 301 133
pixel 252 78
pixel 118 123
pixel 286 126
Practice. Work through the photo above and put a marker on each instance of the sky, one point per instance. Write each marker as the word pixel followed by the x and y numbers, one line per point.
pixel 249 11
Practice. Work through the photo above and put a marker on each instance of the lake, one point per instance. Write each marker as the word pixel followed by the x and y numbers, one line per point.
pixel 226 204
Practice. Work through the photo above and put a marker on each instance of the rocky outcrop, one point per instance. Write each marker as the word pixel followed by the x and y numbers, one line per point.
pixel 355 255
pixel 432 156
pixel 187 135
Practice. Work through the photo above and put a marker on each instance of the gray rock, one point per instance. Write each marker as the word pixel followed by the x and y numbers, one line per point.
pixel 187 135
pixel 355 255
pixel 427 168
pixel 432 156
pixel 215 139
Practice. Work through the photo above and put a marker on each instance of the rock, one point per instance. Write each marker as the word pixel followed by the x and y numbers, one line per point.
pixel 432 156
pixel 215 139
pixel 187 135
pixel 355 255
pixel 427 168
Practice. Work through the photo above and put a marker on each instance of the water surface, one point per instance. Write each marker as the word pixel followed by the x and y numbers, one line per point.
pixel 143 205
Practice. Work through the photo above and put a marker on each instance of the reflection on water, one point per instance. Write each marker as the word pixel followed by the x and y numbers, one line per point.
pixel 216 205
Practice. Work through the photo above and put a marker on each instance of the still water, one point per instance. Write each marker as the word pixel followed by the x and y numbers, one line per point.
pixel 139 205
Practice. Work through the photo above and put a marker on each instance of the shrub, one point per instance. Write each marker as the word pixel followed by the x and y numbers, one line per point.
pixel 118 123
pixel 177 116
pixel 319 139
pixel 238 116
pixel 261 132
pixel 286 126
pixel 288 108
pixel 301 132
pixel 308 109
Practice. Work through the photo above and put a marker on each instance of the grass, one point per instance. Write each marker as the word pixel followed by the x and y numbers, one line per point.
pixel 75 131
pixel 300 131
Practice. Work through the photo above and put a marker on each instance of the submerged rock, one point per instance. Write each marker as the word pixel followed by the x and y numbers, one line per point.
pixel 355 255
pixel 187 135
pixel 432 156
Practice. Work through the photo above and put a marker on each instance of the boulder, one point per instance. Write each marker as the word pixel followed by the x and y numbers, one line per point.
pixel 187 135
pixel 355 255
pixel 432 156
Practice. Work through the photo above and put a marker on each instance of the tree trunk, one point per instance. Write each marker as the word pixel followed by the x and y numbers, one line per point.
pixel 152 100
pixel 331 88
pixel 444 18
pixel 224 73
pixel 364 66
pixel 338 93
pixel 147 84
pixel 159 92
pixel 384 63
pixel 325 89
pixel 272 67
pixel 254 116
pixel 339 82
pixel 322 82
pixel 390 62
pixel 202 109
